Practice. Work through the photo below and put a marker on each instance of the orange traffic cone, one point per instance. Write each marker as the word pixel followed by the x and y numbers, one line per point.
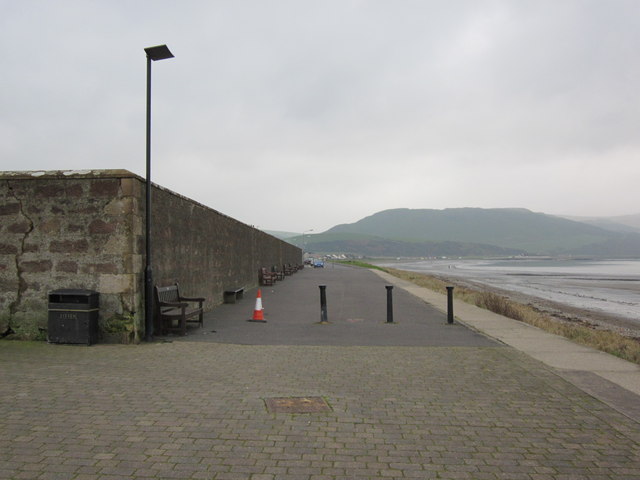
pixel 258 314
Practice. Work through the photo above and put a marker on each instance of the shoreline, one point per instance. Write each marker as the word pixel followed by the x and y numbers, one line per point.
pixel 557 311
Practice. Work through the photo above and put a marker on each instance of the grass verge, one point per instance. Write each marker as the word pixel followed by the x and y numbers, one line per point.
pixel 603 340
pixel 357 263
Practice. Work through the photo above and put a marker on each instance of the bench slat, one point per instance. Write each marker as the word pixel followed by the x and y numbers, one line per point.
pixel 172 306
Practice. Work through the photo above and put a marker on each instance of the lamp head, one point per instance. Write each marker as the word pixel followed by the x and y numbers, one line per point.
pixel 159 52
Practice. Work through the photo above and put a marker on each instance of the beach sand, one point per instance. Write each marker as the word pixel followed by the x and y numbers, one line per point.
pixel 558 311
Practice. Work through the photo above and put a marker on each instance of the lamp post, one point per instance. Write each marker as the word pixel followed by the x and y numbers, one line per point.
pixel 304 244
pixel 159 52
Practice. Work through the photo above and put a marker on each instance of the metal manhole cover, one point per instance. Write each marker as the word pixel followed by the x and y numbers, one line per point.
pixel 297 405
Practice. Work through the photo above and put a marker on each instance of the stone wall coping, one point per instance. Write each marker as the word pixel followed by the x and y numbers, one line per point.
pixel 103 173
pixel 74 174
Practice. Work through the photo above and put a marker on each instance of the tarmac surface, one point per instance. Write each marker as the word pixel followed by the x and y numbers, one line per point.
pixel 414 399
pixel 356 313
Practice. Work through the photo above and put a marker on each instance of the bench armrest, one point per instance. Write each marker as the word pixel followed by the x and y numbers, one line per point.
pixel 192 299
pixel 173 304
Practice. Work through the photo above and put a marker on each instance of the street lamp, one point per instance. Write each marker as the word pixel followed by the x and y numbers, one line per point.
pixel 304 245
pixel 159 52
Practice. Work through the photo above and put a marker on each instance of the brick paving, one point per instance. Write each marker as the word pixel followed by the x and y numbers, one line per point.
pixel 196 410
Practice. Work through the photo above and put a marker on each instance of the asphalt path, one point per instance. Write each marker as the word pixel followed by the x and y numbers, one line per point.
pixel 356 314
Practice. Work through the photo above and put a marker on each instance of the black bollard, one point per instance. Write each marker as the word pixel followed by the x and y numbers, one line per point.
pixel 389 303
pixel 323 304
pixel 449 304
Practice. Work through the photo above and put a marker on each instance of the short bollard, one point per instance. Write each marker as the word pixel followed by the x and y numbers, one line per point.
pixel 389 303
pixel 449 304
pixel 323 304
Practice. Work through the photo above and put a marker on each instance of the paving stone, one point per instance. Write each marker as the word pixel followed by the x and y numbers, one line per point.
pixel 196 410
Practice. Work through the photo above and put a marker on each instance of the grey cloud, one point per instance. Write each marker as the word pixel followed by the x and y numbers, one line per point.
pixel 355 105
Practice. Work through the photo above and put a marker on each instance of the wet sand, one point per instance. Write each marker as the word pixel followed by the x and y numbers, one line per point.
pixel 559 311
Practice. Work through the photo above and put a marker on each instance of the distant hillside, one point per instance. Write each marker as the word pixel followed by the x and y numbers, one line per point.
pixel 281 235
pixel 626 223
pixel 629 220
pixel 372 246
pixel 473 231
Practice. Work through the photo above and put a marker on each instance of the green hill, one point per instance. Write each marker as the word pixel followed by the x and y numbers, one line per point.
pixel 626 223
pixel 282 235
pixel 472 231
pixel 374 246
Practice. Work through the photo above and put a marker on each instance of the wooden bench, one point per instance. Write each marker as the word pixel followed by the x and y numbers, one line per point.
pixel 278 273
pixel 233 294
pixel 288 270
pixel 173 307
pixel 265 277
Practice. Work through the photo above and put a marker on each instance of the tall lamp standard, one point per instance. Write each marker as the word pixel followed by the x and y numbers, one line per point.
pixel 304 244
pixel 159 52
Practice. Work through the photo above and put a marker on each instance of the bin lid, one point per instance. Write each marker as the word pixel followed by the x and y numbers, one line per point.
pixel 73 291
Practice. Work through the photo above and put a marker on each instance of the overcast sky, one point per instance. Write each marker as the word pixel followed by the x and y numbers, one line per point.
pixel 299 115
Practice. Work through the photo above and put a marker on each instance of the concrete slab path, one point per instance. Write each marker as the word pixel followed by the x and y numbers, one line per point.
pixel 196 409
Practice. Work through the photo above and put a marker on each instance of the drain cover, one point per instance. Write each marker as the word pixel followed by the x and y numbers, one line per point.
pixel 297 405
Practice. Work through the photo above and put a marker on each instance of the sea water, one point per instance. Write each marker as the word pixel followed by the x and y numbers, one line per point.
pixel 608 286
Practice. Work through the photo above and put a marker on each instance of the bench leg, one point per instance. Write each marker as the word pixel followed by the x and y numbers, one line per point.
pixel 164 328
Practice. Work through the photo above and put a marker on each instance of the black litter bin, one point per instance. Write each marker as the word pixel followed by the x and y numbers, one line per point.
pixel 73 316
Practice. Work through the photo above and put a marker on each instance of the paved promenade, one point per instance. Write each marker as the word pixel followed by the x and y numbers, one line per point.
pixel 414 399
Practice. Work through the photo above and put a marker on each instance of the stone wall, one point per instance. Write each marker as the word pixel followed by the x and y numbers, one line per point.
pixel 206 251
pixel 86 230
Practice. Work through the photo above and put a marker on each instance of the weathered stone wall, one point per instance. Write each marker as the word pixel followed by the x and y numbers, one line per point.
pixel 65 231
pixel 206 251
pixel 86 230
